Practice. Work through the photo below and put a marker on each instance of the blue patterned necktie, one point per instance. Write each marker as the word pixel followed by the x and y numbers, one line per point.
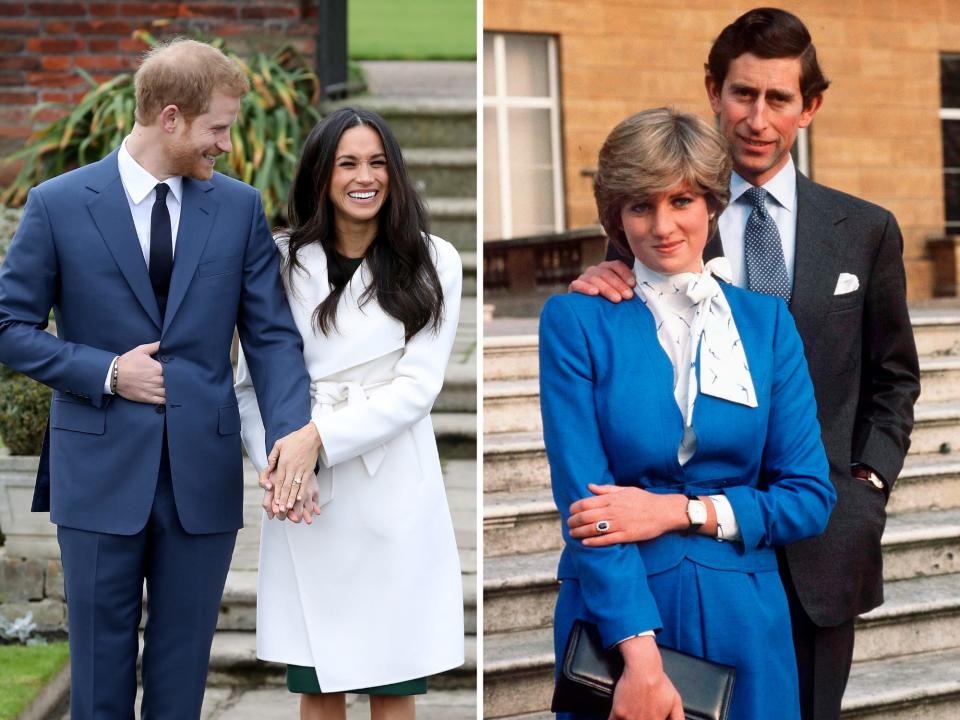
pixel 766 269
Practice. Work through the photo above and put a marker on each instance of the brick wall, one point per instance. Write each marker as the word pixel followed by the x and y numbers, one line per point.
pixel 877 135
pixel 41 43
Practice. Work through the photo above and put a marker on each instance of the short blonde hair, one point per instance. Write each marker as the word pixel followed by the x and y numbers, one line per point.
pixel 653 151
pixel 185 73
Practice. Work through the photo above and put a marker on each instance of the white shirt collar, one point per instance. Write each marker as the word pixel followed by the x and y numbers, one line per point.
pixel 782 187
pixel 138 182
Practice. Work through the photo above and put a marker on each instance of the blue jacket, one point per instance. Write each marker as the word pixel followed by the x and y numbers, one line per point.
pixel 76 251
pixel 610 417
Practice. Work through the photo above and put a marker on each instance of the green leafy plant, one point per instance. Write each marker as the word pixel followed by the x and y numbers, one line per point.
pixel 24 407
pixel 274 119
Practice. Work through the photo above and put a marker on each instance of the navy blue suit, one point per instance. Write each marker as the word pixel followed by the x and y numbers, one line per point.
pixel 610 417
pixel 141 491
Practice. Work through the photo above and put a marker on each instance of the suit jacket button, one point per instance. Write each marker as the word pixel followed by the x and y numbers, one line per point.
pixel 161 409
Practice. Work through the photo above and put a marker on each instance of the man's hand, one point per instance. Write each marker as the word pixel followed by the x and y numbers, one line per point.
pixel 291 461
pixel 140 377
pixel 632 515
pixel 644 692
pixel 612 279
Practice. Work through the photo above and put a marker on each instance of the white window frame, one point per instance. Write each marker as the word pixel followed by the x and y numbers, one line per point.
pixel 502 103
pixel 803 151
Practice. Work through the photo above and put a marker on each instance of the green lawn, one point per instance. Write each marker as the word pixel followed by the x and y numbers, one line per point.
pixel 412 30
pixel 24 670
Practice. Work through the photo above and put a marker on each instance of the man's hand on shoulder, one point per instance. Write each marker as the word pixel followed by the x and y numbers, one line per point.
pixel 612 279
pixel 140 377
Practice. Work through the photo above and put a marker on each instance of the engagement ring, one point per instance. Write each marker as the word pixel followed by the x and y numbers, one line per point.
pixel 603 526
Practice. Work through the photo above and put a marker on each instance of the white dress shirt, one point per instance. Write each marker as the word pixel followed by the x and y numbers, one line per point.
pixel 140 188
pixel 781 203
pixel 673 313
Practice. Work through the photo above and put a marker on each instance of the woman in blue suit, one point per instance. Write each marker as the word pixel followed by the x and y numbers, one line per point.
pixel 682 436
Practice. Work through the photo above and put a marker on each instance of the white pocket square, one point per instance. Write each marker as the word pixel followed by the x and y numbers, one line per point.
pixel 846 283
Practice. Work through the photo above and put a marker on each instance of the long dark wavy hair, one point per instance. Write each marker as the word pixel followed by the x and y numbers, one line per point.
pixel 405 281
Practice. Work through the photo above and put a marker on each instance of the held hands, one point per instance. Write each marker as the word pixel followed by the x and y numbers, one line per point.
pixel 291 462
pixel 644 692
pixel 305 509
pixel 140 377
pixel 632 515
pixel 611 279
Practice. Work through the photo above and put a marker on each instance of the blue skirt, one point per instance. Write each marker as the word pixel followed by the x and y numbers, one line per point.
pixel 735 618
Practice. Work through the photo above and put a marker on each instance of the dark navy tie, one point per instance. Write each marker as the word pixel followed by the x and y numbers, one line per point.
pixel 161 247
pixel 766 269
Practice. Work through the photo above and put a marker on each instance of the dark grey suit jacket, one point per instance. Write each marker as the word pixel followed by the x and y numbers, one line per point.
pixel 866 378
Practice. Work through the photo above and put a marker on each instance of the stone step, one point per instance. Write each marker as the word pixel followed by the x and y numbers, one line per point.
pixel 518 682
pixel 936 330
pixel 456 434
pixel 940 379
pixel 517 672
pixel 459 393
pixel 455 220
pixel 925 686
pixel 238 609
pixel 510 357
pixel 511 406
pixel 520 522
pixel 927 482
pixel 519 515
pixel 233 662
pixel 423 122
pixel 519 590
pixel 443 172
pixel 469 260
pixel 918 615
pixel 513 439
pixel 514 461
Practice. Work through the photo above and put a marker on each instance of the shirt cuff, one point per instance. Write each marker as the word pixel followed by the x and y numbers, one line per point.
pixel 645 633
pixel 728 528
pixel 106 384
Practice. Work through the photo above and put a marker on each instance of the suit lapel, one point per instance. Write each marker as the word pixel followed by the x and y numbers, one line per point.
pixel 818 257
pixel 111 213
pixel 196 222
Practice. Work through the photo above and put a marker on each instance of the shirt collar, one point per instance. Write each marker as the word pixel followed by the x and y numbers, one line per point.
pixel 138 182
pixel 782 187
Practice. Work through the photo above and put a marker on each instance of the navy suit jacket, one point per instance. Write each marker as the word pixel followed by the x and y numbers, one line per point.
pixel 76 251
pixel 610 417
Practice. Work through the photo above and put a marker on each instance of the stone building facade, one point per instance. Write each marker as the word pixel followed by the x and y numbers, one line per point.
pixel 878 135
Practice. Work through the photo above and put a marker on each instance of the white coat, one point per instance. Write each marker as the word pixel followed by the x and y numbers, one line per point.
pixel 370 593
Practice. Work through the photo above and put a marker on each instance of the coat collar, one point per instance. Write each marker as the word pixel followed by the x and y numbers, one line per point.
pixel 363 333
pixel 111 213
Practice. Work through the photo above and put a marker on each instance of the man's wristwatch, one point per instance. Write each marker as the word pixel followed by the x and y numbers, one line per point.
pixel 696 513
pixel 862 472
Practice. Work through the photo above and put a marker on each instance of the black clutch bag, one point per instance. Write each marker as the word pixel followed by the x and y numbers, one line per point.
pixel 589 673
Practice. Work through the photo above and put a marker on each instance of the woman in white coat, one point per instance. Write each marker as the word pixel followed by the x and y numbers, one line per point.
pixel 366 595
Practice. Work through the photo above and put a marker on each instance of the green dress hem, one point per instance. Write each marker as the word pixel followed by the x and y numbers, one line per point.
pixel 301 679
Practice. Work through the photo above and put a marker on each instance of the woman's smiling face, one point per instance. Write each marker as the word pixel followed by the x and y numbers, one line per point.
pixel 359 183
pixel 668 232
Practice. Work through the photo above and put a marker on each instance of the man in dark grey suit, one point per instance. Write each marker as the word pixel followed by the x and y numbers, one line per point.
pixel 837 260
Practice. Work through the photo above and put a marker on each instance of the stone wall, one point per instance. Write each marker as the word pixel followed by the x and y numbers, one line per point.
pixel 877 135
pixel 36 586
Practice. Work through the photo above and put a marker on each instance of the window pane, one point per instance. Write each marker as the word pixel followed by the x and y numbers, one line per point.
pixel 529 137
pixel 951 195
pixel 532 200
pixel 951 143
pixel 950 81
pixel 489 72
pixel 527 66
pixel 491 173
